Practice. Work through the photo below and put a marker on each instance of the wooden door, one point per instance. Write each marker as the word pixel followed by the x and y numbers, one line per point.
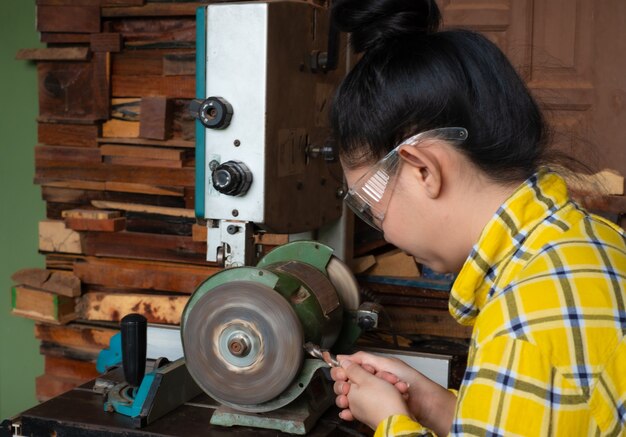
pixel 572 55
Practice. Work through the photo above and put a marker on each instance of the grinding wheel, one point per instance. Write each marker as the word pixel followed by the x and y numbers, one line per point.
pixel 345 283
pixel 243 343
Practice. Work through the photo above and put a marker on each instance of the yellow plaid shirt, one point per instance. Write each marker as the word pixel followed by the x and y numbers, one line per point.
pixel 545 288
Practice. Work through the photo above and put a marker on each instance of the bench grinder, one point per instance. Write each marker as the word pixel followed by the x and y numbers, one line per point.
pixel 244 328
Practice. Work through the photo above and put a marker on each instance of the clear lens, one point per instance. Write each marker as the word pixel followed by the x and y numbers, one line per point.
pixel 369 197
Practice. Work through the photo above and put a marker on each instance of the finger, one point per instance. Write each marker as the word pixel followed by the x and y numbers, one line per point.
pixel 338 374
pixel 346 415
pixel 355 373
pixel 389 377
pixel 369 368
pixel 341 388
pixel 402 387
pixel 341 401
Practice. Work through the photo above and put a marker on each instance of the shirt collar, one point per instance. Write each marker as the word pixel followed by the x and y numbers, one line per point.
pixel 534 200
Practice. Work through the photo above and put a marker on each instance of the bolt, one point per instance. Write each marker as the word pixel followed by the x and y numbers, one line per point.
pixel 235 213
pixel 340 192
pixel 366 323
pixel 239 346
pixel 237 143
pixel 213 165
pixel 232 229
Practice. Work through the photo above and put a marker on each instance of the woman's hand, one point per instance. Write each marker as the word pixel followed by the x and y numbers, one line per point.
pixel 429 403
pixel 367 397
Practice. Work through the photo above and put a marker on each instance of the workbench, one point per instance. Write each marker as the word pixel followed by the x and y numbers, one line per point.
pixel 79 412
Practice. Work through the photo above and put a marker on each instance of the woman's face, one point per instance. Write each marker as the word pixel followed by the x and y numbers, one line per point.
pixel 409 224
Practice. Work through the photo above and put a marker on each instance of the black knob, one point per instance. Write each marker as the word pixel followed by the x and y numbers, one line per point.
pixel 214 112
pixel 232 178
pixel 134 329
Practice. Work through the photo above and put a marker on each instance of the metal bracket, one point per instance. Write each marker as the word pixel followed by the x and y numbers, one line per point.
pixel 230 243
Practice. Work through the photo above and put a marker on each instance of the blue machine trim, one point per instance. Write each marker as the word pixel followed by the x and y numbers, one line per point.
pixel 134 409
pixel 431 284
pixel 112 356
pixel 200 94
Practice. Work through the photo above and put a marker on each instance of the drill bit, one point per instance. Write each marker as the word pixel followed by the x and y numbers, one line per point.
pixel 317 352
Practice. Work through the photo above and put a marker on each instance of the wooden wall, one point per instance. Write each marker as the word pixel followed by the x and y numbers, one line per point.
pixel 115 163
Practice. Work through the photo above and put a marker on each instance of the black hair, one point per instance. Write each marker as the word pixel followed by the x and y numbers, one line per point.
pixel 413 77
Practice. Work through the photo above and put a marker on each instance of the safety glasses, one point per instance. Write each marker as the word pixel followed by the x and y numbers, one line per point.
pixel 370 195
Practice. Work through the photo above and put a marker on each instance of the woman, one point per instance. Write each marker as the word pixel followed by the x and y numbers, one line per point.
pixel 444 150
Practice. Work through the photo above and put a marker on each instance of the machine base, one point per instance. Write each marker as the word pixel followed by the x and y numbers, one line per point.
pixel 299 417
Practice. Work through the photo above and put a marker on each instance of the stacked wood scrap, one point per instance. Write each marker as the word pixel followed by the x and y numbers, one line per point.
pixel 115 162
pixel 602 192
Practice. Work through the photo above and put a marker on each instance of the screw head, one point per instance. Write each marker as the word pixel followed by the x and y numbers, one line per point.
pixel 235 212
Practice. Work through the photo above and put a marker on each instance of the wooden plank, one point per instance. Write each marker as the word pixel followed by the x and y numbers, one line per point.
pixel 53 349
pixel 69 368
pixel 158 224
pixel 271 239
pixel 424 321
pixel 138 63
pixel 154 10
pixel 93 214
pixel 179 64
pixel 76 335
pixel 608 204
pixel 70 19
pixel 199 233
pixel 144 188
pixel 67 154
pixel 103 3
pixel 138 245
pixel 120 128
pixel 70 198
pixel 126 109
pixel 142 162
pixel 183 87
pixel 101 84
pixel 144 152
pixel 604 183
pixel 50 386
pixel 144 142
pixel 144 275
pixel 150 209
pixel 105 42
pixel 112 3
pixel 75 185
pixel 73 91
pixel 64 134
pixel 154 32
pixel 60 261
pixel 156 118
pixel 55 237
pixel 98 225
pixel 54 54
pixel 58 282
pixel 62 199
pixel 46 171
pixel 64 38
pixel 42 305
pixel 395 263
pixel 113 306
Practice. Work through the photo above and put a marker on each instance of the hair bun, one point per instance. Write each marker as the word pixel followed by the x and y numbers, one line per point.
pixel 374 22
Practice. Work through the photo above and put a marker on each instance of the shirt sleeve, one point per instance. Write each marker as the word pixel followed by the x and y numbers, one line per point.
pixel 400 425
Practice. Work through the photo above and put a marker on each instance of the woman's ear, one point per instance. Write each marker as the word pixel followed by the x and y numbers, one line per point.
pixel 426 166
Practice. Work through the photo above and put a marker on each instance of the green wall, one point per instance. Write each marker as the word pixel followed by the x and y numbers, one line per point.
pixel 21 206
